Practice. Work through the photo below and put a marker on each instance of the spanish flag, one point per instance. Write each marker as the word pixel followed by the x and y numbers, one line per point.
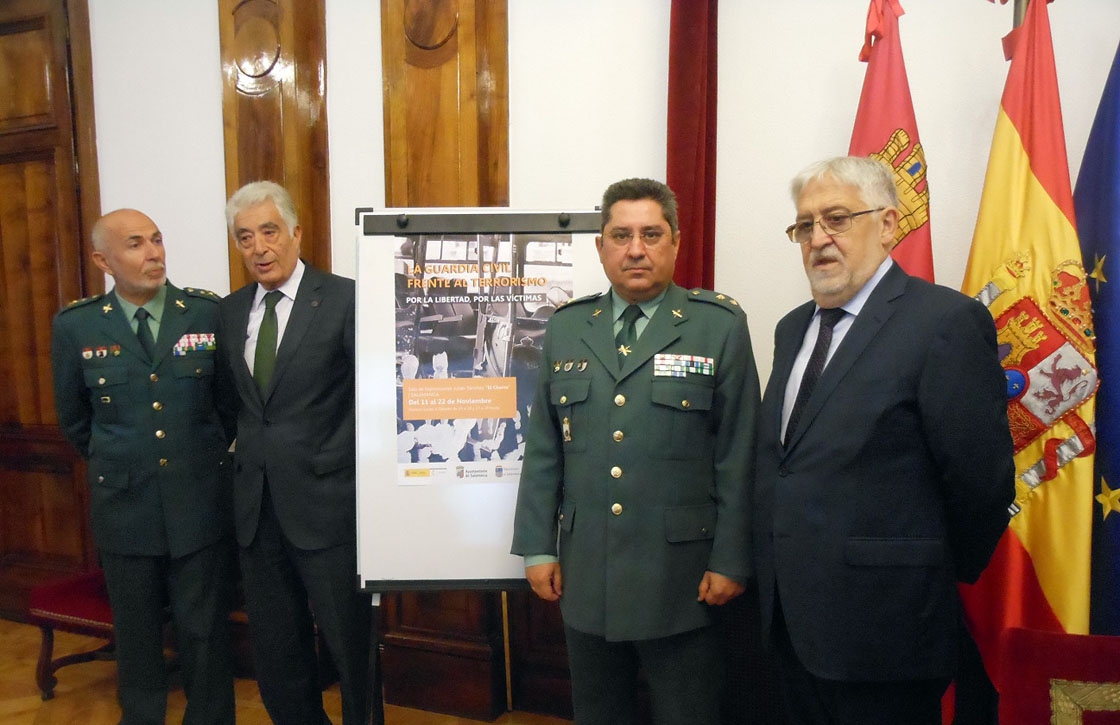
pixel 1025 265
pixel 886 129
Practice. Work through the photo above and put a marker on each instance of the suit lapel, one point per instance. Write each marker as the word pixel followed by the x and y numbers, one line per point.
pixel 787 345
pixel 599 335
pixel 240 302
pixel 176 320
pixel 661 331
pixel 308 299
pixel 117 326
pixel 875 313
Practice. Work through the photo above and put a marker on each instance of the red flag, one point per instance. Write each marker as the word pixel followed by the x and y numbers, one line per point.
pixel 1025 265
pixel 886 129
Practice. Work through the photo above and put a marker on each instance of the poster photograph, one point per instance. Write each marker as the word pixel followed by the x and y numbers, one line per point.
pixel 471 311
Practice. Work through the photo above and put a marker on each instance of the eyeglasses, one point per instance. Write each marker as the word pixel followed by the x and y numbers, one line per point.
pixel 834 222
pixel 650 237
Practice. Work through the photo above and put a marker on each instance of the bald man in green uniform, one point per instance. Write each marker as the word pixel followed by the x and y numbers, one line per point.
pixel 632 509
pixel 135 392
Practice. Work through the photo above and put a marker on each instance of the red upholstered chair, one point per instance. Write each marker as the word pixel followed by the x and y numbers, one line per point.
pixel 79 605
pixel 1060 678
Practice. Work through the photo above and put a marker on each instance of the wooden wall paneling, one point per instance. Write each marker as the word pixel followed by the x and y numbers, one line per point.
pixel 48 195
pixel 446 120
pixel 274 109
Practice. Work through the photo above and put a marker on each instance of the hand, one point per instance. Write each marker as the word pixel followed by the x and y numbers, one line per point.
pixel 716 589
pixel 546 581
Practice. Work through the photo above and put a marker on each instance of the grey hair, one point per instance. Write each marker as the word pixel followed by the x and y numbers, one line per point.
pixel 872 177
pixel 258 192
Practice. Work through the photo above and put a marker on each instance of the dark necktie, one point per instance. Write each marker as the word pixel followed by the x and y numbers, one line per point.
pixel 144 332
pixel 814 368
pixel 628 335
pixel 264 359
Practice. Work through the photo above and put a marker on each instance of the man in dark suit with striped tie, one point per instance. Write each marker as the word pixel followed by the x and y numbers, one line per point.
pixel 291 360
pixel 885 464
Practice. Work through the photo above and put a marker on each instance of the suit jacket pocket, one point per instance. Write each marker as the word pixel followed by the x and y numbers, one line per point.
pixel 680 418
pixel 872 551
pixel 329 461
pixel 690 523
pixel 568 397
pixel 108 392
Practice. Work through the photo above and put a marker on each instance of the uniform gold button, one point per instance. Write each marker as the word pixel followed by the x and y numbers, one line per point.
pixel 617 435
pixel 160 434
pixel 101 381
pixel 163 461
pixel 620 400
pixel 616 472
pixel 563 399
pixel 154 378
pixel 561 517
pixel 157 405
pixel 616 509
pixel 198 371
pixel 685 403
pixel 101 479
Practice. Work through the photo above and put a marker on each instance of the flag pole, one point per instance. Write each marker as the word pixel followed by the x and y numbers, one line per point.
pixel 1020 12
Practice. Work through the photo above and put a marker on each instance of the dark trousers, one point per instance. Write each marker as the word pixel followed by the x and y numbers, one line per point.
pixel 811 700
pixel 279 580
pixel 684 672
pixel 198 587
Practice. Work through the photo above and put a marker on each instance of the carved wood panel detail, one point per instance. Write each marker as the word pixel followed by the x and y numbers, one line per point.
pixel 274 107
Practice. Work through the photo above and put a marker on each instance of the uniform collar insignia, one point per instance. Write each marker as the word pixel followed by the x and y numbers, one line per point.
pixel 107 307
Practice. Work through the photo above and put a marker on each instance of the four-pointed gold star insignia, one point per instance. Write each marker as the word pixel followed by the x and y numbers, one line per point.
pixel 596 313
pixel 107 307
pixel 624 350
pixel 677 313
pixel 1109 499
pixel 1098 271
pixel 180 305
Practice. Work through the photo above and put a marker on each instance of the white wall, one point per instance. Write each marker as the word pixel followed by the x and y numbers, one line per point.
pixel 587 107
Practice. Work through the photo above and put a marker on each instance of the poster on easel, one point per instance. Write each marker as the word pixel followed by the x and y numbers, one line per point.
pixel 452 307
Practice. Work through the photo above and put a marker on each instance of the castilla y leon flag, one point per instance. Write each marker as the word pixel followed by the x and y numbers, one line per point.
pixel 886 129
pixel 1025 266
pixel 1097 198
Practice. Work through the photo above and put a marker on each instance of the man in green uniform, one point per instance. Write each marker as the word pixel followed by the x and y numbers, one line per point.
pixel 632 506
pixel 135 393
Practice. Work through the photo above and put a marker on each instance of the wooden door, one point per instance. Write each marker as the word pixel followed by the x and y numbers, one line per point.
pixel 47 169
pixel 446 144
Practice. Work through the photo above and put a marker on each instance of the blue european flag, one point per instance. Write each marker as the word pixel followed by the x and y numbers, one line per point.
pixel 1097 202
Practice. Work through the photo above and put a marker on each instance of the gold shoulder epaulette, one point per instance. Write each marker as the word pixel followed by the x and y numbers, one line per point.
pixel 203 293
pixel 715 298
pixel 578 301
pixel 75 304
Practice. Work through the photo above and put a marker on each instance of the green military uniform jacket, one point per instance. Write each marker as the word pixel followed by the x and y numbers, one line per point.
pixel 148 428
pixel 641 472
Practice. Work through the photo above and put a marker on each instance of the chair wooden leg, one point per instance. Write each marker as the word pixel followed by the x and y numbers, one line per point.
pixel 44 674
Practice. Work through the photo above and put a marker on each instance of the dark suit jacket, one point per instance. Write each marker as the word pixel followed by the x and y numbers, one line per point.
pixel 894 487
pixel 674 453
pixel 301 433
pixel 148 428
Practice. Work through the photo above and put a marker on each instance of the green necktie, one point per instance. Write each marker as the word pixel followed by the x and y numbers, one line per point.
pixel 628 335
pixel 144 332
pixel 264 359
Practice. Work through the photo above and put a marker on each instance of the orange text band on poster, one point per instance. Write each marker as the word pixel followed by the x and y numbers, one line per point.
pixel 460 398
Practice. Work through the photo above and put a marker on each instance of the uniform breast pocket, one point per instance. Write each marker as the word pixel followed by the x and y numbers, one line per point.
pixel 680 420
pixel 194 375
pixel 569 400
pixel 108 392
